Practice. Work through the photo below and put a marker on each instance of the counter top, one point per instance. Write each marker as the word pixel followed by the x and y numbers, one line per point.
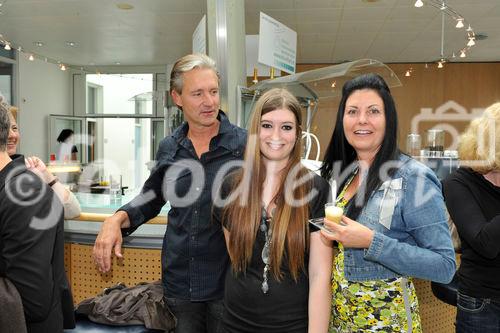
pixel 147 236
pixel 96 207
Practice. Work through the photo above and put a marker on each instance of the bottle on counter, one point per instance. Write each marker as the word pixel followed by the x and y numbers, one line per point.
pixel 52 159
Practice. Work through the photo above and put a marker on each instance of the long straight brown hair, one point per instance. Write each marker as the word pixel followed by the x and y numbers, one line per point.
pixel 289 225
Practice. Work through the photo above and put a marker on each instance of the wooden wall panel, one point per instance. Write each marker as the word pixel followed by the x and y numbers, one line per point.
pixel 472 85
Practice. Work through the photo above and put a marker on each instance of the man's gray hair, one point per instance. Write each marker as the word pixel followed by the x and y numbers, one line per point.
pixel 4 125
pixel 187 63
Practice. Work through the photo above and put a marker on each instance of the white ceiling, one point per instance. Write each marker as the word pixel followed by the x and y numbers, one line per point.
pixel 157 32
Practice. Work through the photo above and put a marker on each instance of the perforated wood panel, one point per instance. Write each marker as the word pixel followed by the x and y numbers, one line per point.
pixel 436 316
pixel 145 265
pixel 137 266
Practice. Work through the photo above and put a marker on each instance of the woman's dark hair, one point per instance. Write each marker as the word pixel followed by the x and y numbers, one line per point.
pixel 64 135
pixel 340 151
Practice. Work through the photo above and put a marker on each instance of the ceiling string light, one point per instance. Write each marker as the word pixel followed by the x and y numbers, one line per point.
pixel 8 45
pixel 441 5
pixel 31 56
pixel 446 10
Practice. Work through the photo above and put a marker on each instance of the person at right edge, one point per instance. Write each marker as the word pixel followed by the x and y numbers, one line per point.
pixel 194 255
pixel 472 195
pixel 394 227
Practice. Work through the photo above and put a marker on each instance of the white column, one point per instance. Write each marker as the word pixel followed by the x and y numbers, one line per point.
pixel 226 45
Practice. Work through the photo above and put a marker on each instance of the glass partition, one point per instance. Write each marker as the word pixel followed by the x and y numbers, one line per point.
pixel 122 147
pixel 323 83
pixel 314 88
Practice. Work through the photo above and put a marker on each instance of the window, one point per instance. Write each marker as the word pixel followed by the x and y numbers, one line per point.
pixel 121 130
pixel 94 98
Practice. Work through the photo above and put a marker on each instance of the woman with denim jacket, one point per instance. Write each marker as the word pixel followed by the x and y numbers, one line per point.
pixel 472 196
pixel 394 225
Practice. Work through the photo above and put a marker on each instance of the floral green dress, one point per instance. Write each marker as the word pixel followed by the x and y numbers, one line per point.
pixel 371 306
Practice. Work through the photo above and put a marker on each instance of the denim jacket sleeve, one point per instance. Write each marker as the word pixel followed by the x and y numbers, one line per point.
pixel 426 251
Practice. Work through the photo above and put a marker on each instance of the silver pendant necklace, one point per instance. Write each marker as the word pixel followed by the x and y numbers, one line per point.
pixel 265 224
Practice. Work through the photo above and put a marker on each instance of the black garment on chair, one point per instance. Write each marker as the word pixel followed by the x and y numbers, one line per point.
pixel 142 304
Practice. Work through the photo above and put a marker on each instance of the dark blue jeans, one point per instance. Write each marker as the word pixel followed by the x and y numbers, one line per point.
pixel 196 317
pixel 477 315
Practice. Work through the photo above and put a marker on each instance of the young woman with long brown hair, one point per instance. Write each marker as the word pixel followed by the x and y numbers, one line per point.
pixel 279 280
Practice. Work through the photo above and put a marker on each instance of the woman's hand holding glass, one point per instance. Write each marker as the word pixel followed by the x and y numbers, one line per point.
pixel 349 232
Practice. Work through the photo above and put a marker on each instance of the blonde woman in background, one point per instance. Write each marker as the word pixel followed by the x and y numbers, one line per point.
pixel 70 203
pixel 472 195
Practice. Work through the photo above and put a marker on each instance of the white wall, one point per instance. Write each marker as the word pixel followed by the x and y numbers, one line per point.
pixel 43 89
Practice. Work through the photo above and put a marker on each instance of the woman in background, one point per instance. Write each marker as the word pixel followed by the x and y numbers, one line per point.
pixel 70 203
pixel 472 195
pixel 394 226
pixel 66 148
pixel 279 280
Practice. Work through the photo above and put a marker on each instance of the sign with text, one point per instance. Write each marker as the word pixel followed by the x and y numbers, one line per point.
pixel 200 37
pixel 277 44
pixel 252 56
